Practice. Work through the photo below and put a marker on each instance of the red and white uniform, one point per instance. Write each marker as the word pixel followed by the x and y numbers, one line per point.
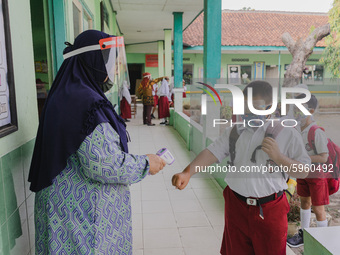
pixel 163 102
pixel 316 188
pixel 245 231
pixel 125 103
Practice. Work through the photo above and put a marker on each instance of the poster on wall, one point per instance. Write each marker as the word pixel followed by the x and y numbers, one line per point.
pixel 258 70
pixel 8 118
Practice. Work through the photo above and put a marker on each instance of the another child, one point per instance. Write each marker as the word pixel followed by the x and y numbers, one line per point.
pixel 125 102
pixel 312 191
pixel 256 206
pixel 163 102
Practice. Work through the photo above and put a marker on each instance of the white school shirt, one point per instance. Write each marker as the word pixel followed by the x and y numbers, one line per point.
pixel 254 184
pixel 320 140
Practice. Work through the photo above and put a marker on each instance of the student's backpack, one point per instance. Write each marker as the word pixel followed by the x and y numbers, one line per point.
pixel 333 160
pixel 271 131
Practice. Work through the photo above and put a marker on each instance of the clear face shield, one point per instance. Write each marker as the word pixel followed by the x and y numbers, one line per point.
pixel 254 120
pixel 108 47
pixel 298 114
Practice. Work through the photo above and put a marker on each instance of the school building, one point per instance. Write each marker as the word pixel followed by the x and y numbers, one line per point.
pixel 183 38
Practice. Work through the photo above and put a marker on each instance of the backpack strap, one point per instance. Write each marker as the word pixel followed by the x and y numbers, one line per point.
pixel 272 131
pixel 233 137
pixel 311 137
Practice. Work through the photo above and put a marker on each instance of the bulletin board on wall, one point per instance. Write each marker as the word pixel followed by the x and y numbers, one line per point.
pixel 8 115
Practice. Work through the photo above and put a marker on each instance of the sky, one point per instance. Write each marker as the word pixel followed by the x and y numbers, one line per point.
pixel 280 5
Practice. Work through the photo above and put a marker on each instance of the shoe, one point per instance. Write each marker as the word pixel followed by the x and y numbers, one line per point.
pixel 153 116
pixel 162 123
pixel 151 125
pixel 296 240
pixel 126 120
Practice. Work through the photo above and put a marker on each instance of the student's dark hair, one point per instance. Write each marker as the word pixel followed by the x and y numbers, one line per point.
pixel 312 103
pixel 260 88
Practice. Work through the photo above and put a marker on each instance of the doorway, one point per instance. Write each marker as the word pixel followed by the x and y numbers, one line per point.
pixel 135 74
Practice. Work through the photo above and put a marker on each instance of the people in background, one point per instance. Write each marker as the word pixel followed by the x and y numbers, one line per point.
pixel 313 191
pixel 145 90
pixel 155 99
pixel 163 104
pixel 256 206
pixel 184 89
pixel 125 102
pixel 81 169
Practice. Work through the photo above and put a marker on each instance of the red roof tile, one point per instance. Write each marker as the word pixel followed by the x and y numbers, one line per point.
pixel 257 28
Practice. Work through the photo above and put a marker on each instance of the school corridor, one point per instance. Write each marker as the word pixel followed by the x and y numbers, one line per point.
pixel 167 221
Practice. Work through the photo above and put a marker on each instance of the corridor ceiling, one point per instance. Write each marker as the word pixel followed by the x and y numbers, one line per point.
pixel 144 20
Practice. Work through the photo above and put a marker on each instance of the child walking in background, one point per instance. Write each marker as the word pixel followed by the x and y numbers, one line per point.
pixel 313 190
pixel 163 103
pixel 125 102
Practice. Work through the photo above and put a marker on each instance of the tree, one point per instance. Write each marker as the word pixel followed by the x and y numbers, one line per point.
pixel 331 55
pixel 300 51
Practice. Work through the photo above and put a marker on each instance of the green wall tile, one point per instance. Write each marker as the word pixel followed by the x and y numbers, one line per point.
pixel 27 152
pixel 12 174
pixel 2 198
pixel 4 244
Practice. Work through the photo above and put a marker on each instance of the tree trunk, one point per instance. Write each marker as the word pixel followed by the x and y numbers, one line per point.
pixel 301 50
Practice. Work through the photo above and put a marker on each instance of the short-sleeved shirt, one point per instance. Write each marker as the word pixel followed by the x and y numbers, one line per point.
pixel 258 184
pixel 320 140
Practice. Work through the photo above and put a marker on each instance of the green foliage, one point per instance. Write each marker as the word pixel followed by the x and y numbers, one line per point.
pixel 331 55
pixel 312 28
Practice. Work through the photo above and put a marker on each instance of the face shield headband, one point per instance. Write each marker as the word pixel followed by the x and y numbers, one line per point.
pixel 108 47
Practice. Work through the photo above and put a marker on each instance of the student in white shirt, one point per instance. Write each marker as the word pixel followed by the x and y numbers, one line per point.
pixel 313 190
pixel 255 205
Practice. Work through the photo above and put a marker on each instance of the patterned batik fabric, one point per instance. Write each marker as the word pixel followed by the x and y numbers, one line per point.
pixel 87 208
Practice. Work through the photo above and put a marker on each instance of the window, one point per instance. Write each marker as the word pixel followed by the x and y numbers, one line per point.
pixel 81 18
pixel 239 74
pixel 77 26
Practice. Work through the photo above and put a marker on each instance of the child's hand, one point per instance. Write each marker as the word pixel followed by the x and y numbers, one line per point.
pixel 181 180
pixel 269 146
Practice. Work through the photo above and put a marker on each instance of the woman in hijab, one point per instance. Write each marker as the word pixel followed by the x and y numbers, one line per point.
pixel 81 169
pixel 125 102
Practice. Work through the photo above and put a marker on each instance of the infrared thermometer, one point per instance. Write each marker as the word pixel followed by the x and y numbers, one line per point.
pixel 166 155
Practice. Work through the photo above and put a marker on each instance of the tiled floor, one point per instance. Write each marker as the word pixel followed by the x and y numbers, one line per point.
pixel 167 221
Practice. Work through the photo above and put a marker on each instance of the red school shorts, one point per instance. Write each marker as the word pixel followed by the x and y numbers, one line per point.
pixel 316 188
pixel 245 233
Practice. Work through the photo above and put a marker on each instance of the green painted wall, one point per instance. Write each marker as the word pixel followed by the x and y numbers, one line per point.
pixel 16 201
pixel 197 60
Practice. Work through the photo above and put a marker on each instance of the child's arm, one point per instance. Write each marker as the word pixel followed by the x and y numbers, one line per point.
pixel 205 158
pixel 320 158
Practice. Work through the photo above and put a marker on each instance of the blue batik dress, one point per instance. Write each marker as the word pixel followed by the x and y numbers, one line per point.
pixel 87 208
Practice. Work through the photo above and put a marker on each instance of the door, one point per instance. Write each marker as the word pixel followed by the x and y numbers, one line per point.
pixel 135 74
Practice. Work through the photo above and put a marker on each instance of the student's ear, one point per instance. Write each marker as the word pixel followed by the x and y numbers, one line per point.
pixel 312 111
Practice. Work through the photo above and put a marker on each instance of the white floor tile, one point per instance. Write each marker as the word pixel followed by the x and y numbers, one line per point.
pixel 186 194
pixel 137 221
pixel 186 206
pixel 156 207
pixel 162 238
pixel 202 251
pixel 208 193
pixel 137 252
pixel 216 218
pixel 159 220
pixel 191 219
pixel 212 204
pixel 137 239
pixel 198 237
pixel 164 251
pixel 152 195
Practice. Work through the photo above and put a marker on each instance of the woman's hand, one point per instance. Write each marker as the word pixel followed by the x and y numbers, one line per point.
pixel 156 163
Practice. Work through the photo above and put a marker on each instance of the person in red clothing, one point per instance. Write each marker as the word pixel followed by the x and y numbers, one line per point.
pixel 256 206
pixel 163 106
pixel 125 102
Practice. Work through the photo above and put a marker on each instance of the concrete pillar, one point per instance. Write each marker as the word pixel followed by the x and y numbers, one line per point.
pixel 212 39
pixel 178 60
pixel 160 59
pixel 167 50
